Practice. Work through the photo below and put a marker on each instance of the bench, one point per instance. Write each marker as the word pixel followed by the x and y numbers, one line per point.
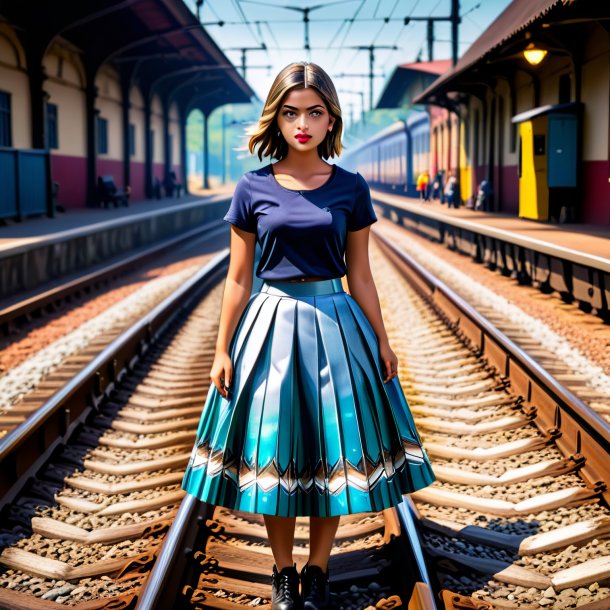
pixel 109 193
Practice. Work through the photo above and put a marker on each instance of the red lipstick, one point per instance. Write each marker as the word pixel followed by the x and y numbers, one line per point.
pixel 302 137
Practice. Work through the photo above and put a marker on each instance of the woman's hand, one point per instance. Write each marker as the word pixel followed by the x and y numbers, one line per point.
pixel 389 361
pixel 221 373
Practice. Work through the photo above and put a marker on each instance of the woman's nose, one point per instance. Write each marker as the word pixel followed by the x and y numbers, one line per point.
pixel 303 121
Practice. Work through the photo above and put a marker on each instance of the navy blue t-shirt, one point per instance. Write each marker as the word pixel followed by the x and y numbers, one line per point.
pixel 302 233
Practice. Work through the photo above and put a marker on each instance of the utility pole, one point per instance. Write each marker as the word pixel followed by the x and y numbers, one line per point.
pixel 243 50
pixel 306 10
pixel 454 19
pixel 371 49
pixel 361 94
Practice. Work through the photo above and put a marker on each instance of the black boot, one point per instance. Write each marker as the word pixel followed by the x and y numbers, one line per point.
pixel 315 588
pixel 285 589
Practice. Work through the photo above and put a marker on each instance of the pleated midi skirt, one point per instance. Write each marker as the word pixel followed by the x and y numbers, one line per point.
pixel 308 427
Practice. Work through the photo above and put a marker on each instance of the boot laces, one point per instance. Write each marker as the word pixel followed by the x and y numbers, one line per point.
pixel 284 586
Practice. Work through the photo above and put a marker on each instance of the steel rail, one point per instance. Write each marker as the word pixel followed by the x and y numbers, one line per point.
pixel 28 446
pixel 577 430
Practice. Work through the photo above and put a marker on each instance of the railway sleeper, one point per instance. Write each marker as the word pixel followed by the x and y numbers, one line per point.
pixel 52 528
pixel 443 426
pixel 546 501
pixel 514 475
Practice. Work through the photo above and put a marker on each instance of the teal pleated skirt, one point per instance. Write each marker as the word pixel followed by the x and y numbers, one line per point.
pixel 309 428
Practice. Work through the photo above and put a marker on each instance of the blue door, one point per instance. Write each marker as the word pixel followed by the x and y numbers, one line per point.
pixel 562 150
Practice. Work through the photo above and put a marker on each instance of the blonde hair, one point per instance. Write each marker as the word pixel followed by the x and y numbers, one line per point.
pixel 297 75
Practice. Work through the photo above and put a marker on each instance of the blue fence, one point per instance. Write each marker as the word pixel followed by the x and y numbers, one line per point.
pixel 25 183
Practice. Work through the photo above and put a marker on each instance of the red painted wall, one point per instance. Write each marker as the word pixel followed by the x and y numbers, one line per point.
pixel 159 171
pixel 71 174
pixel 137 181
pixel 510 190
pixel 480 172
pixel 596 193
pixel 110 167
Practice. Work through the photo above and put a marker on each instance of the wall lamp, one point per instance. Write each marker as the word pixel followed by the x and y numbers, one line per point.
pixel 533 54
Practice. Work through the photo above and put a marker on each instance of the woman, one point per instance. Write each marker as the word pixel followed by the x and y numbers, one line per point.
pixel 306 415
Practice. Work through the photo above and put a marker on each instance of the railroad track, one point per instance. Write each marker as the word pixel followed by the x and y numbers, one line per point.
pixel 33 381
pixel 96 518
pixel 519 516
pixel 88 526
pixel 558 337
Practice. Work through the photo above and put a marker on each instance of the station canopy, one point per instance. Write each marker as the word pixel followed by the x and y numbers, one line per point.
pixel 159 44
pixel 523 21
pixel 409 80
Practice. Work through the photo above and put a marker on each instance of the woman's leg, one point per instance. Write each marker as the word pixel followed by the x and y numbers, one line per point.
pixel 281 537
pixel 322 532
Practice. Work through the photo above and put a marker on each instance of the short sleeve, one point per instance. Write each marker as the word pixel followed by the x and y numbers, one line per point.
pixel 240 210
pixel 362 214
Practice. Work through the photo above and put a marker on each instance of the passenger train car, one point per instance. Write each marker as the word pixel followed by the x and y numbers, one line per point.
pixel 393 158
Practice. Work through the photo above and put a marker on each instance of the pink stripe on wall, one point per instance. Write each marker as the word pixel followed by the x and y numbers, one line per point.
pixel 71 174
pixel 509 201
pixel 596 193
pixel 137 181
pixel 159 171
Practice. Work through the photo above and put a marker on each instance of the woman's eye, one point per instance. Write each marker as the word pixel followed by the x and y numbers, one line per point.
pixel 290 112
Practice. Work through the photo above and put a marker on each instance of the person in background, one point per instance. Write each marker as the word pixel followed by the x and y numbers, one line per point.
pixel 422 185
pixel 437 186
pixel 451 191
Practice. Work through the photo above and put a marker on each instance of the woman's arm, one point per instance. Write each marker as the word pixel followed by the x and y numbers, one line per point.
pixel 362 289
pixel 238 287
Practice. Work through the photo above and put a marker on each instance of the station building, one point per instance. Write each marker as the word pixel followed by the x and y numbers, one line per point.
pixel 101 88
pixel 536 129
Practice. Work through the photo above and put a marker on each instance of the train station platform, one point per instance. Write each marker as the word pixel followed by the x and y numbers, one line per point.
pixel 570 259
pixel 582 239
pixel 34 231
pixel 38 251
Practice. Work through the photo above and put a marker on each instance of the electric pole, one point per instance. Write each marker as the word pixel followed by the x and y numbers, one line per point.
pixel 454 19
pixel 371 49
pixel 243 50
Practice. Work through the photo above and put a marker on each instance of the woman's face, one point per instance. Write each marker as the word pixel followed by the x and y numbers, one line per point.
pixel 303 113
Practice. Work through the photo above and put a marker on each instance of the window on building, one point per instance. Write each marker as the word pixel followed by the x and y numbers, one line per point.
pixel 565 88
pixel 52 136
pixel 6 138
pixel 102 136
pixel 132 140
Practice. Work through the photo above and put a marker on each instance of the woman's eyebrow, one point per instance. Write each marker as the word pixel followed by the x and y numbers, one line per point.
pixel 310 108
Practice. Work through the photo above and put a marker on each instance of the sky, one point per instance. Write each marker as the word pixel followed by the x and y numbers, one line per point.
pixel 334 28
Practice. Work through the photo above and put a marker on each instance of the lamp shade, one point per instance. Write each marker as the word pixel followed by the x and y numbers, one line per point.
pixel 533 54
